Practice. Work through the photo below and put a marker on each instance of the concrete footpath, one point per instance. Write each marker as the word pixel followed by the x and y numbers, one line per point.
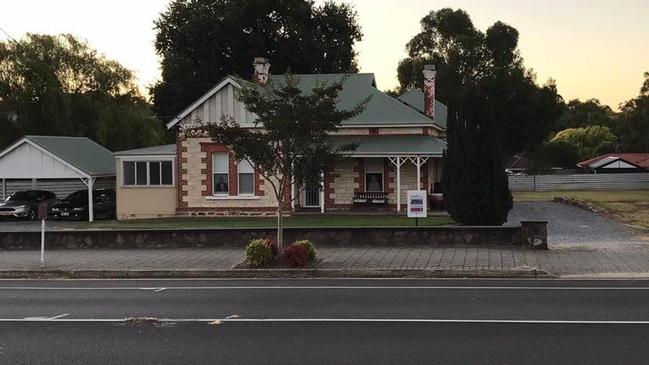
pixel 623 259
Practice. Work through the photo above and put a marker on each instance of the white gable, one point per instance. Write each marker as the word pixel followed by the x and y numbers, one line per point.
pixel 27 161
pixel 217 103
pixel 619 164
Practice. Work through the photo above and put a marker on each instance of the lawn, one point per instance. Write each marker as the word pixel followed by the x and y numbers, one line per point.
pixel 267 222
pixel 631 206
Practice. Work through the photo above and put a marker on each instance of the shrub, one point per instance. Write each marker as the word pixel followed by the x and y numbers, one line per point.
pixel 310 247
pixel 258 253
pixel 272 244
pixel 296 255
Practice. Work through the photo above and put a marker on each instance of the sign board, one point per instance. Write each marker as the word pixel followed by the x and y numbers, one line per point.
pixel 417 204
pixel 42 211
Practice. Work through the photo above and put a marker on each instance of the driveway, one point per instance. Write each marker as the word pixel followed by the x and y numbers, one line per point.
pixel 568 224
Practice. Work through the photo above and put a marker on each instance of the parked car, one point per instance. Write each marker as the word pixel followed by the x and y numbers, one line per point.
pixel 24 204
pixel 75 205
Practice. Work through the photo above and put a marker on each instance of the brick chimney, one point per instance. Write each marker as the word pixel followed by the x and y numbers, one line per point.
pixel 429 90
pixel 261 70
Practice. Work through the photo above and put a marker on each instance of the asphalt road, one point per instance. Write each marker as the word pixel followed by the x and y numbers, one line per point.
pixel 323 322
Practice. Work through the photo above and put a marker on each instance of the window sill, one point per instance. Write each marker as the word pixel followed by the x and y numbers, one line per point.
pixel 233 197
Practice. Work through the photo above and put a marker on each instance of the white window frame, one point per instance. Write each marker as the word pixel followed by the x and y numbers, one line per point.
pixel 239 179
pixel 147 160
pixel 227 173
pixel 382 172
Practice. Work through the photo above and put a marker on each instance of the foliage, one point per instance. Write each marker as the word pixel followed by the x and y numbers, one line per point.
pixel 584 114
pixel 258 253
pixel 296 255
pixel 633 128
pixel 556 154
pixel 310 247
pixel 590 141
pixel 272 244
pixel 474 181
pixel 58 85
pixel 524 111
pixel 202 41
pixel 291 142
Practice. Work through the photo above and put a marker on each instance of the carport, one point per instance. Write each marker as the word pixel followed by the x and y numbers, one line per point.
pixel 53 157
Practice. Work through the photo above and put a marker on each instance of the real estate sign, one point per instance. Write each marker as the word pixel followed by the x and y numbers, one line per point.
pixel 417 204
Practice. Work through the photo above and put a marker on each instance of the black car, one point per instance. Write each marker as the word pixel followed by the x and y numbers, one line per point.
pixel 75 205
pixel 24 204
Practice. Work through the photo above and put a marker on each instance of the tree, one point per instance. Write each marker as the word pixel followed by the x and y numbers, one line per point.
pixel 290 142
pixel 202 41
pixel 633 126
pixel 524 112
pixel 590 141
pixel 475 185
pixel 585 114
pixel 555 154
pixel 58 85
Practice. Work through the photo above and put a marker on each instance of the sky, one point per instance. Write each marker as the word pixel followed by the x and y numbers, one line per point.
pixel 592 48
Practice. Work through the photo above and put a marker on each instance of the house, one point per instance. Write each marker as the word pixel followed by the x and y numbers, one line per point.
pixel 399 147
pixel 616 163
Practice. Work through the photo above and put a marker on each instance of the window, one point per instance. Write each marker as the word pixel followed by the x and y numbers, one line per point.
pixel 220 176
pixel 373 174
pixel 147 173
pixel 246 178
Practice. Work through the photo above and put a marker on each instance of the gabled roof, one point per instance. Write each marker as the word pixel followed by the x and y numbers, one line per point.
pixel 164 150
pixel 82 153
pixel 392 145
pixel 415 99
pixel 381 110
pixel 637 159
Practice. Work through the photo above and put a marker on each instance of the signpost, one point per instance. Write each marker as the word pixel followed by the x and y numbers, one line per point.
pixel 417 204
pixel 42 215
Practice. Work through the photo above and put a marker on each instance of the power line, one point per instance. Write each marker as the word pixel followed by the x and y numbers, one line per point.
pixel 8 35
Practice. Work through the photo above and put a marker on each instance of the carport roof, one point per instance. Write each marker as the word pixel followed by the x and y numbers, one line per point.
pixel 82 153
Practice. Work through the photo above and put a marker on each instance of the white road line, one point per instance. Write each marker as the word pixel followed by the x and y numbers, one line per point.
pixel 302 287
pixel 59 316
pixel 339 320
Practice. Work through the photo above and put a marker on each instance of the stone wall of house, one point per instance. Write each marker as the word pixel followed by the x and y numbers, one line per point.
pixel 342 182
pixel 195 189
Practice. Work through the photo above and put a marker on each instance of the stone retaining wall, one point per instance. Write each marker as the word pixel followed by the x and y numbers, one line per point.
pixel 239 237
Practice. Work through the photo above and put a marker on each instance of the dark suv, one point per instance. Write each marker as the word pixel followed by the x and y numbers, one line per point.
pixel 75 205
pixel 24 204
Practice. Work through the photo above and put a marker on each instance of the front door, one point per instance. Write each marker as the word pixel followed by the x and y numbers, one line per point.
pixel 311 197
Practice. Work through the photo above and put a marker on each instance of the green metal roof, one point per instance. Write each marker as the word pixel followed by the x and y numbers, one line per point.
pixel 382 109
pixel 415 98
pixel 392 145
pixel 80 152
pixel 167 149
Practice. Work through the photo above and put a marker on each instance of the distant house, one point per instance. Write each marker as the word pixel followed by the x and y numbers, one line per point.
pixel 399 147
pixel 616 163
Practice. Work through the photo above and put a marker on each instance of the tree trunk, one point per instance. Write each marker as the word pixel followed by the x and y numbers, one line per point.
pixel 280 230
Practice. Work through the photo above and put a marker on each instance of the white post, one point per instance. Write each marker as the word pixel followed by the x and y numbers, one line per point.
pixel 418 173
pixel 42 242
pixel 34 184
pixel 90 182
pixel 322 193
pixel 398 184
pixel 4 189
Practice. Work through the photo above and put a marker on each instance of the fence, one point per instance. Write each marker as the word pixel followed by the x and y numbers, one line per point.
pixel 636 181
pixel 60 187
